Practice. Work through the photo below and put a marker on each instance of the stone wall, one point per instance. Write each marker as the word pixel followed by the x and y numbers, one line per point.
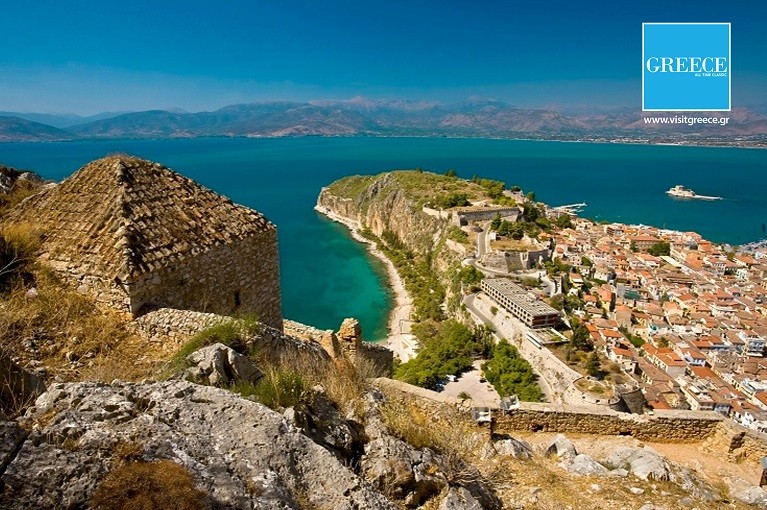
pixel 175 325
pixel 737 443
pixel 377 358
pixel 241 277
pixel 180 325
pixel 663 426
pixel 515 260
pixel 325 337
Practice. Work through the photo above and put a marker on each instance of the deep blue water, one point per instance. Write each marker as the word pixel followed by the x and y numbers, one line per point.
pixel 327 276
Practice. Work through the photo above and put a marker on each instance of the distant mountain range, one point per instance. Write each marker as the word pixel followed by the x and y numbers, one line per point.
pixel 362 117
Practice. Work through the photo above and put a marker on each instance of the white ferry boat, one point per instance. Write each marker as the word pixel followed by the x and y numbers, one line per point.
pixel 682 192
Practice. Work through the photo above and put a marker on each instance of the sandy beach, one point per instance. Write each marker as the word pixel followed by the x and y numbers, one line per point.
pixel 399 340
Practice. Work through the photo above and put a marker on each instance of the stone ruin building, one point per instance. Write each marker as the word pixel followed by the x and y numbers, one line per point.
pixel 138 237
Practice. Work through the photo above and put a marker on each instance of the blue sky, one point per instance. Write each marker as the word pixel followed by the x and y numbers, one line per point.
pixel 90 56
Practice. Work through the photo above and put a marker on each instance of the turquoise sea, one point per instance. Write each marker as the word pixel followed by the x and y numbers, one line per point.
pixel 327 276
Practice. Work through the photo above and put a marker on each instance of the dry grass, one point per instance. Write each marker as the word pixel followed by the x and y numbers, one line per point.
pixel 66 326
pixel 149 486
pixel 21 190
pixel 449 432
pixel 345 383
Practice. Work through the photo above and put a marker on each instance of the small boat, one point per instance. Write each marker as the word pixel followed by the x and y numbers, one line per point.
pixel 680 191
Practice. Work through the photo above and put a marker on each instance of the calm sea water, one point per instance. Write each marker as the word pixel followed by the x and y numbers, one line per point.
pixel 326 276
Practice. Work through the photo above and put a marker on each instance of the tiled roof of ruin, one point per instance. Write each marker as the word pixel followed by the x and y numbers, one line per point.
pixel 122 216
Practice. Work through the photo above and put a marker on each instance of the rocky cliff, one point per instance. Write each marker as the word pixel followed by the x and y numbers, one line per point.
pixel 391 207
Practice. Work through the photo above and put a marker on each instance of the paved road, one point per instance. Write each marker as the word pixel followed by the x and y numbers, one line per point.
pixel 482 243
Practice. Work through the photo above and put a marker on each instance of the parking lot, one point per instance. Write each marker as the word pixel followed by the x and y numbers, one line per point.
pixel 481 393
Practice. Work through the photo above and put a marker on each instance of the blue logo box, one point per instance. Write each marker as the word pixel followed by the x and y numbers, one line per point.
pixel 686 67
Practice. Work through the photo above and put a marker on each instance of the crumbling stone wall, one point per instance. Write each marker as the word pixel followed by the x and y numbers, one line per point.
pixel 181 325
pixel 176 325
pixel 737 443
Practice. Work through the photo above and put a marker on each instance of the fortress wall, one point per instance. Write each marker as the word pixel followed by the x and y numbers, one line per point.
pixel 175 325
pixel 737 443
pixel 666 426
pixel 662 426
pixel 240 277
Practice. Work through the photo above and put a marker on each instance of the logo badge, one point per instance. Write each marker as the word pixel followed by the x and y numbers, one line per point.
pixel 686 67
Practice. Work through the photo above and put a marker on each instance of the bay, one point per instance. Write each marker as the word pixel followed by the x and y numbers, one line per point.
pixel 326 276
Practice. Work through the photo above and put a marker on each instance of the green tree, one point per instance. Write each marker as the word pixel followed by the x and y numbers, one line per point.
pixel 495 224
pixel 511 374
pixel 530 212
pixel 564 221
pixel 530 196
pixel 594 365
pixel 660 248
pixel 446 348
pixel 451 173
pixel 581 338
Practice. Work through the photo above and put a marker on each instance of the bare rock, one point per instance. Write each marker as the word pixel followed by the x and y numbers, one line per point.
pixel 403 472
pixel 459 498
pixel 584 465
pixel 644 463
pixel 693 484
pixel 219 365
pixel 11 438
pixel 241 453
pixel 562 447
pixel 321 421
pixel 414 476
pixel 508 446
pixel 743 491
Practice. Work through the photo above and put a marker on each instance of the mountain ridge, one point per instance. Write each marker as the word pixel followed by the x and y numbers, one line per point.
pixel 364 117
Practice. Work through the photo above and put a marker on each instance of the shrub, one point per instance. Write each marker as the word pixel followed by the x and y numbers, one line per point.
pixel 61 320
pixel 156 485
pixel 232 333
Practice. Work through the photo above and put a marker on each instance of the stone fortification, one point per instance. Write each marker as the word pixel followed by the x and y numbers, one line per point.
pixel 710 429
pixel 139 236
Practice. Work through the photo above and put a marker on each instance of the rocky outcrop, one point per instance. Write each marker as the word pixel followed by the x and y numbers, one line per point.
pixel 584 465
pixel 219 365
pixel 505 445
pixel 562 447
pixel 746 492
pixel 644 463
pixel 321 421
pixel 413 476
pixel 242 454
pixel 388 202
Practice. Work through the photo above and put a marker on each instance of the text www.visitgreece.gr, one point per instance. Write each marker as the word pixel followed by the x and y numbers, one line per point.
pixel 690 121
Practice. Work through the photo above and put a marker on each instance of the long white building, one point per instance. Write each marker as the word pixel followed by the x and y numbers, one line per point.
pixel 521 304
